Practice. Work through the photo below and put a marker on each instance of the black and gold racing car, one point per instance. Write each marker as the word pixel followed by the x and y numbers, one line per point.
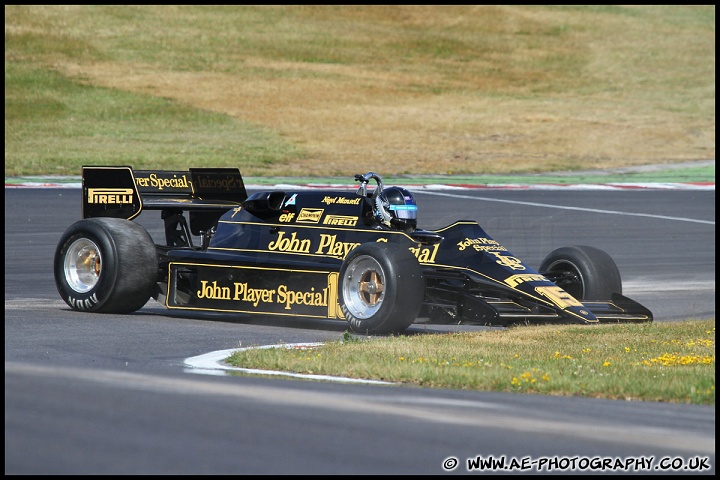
pixel 356 255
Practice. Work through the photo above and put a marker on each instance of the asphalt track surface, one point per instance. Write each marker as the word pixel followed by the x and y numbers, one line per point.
pixel 107 394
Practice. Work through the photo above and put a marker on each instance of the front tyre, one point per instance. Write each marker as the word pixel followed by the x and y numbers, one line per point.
pixel 106 265
pixel 381 288
pixel 586 273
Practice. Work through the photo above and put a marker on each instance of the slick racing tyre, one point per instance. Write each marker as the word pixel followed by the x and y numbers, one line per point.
pixel 381 288
pixel 586 273
pixel 106 265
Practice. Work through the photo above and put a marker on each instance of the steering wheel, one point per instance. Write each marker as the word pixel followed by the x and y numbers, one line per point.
pixel 364 179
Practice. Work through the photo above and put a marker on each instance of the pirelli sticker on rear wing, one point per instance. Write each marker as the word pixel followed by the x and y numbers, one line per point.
pixel 254 290
pixel 110 196
pixel 110 192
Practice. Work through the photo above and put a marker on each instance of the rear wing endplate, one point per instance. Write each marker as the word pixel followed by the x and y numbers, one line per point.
pixel 122 192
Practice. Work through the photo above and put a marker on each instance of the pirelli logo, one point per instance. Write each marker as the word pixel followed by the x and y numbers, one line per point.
pixel 309 215
pixel 110 195
pixel 343 220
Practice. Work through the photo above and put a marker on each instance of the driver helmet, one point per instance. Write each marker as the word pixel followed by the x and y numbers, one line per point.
pixel 395 207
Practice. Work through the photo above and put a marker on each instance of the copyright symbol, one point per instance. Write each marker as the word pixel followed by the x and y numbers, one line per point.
pixel 450 463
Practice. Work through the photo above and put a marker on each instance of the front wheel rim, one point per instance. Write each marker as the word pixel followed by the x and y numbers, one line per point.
pixel 82 266
pixel 364 287
pixel 571 279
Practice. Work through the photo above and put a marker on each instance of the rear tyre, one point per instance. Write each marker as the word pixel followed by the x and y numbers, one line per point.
pixel 381 288
pixel 106 265
pixel 586 273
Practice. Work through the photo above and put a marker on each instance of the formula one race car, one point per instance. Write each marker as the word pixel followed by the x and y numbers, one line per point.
pixel 356 256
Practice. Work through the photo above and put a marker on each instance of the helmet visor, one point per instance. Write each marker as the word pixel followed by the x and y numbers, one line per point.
pixel 404 212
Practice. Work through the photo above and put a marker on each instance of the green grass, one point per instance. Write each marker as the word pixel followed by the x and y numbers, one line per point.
pixel 328 90
pixel 664 362
pixel 58 125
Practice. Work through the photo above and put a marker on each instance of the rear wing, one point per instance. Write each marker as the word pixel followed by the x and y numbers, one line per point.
pixel 122 192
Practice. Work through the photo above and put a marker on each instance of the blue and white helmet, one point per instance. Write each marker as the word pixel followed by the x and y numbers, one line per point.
pixel 395 207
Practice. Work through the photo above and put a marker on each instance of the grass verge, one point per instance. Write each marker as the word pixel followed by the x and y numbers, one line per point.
pixel 333 90
pixel 663 362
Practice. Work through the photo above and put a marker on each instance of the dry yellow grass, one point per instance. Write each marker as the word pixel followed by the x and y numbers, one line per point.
pixel 520 89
